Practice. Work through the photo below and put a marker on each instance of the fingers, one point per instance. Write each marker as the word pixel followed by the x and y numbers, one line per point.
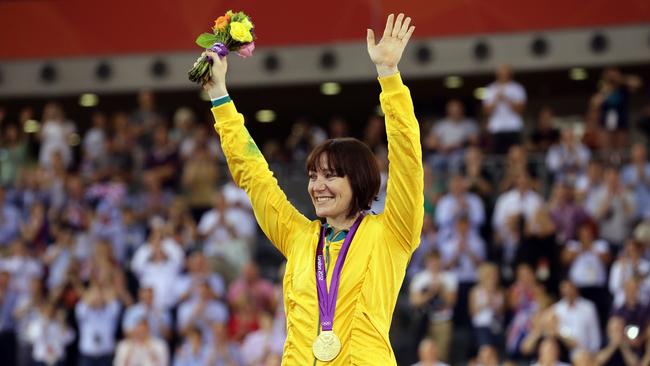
pixel 389 26
pixel 398 25
pixel 408 34
pixel 404 28
pixel 371 38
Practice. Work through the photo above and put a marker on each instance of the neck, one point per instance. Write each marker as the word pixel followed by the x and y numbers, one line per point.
pixel 341 222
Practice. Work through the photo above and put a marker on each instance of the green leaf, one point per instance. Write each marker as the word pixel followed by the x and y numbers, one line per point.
pixel 206 40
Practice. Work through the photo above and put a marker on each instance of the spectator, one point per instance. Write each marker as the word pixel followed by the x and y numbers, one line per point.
pixel 614 208
pixel 180 225
pixel 450 136
pixel 200 175
pixel 374 134
pixel 588 184
pixel 159 320
pixel 463 251
pixel 428 354
pixel 338 127
pixel 15 153
pixel 545 134
pixel 487 306
pixel 549 354
pixel 202 312
pixel 146 117
pixel 252 287
pixel 157 264
pixel 478 177
pixel 258 344
pixel 565 212
pixel 187 286
pixel 433 291
pixel 567 159
pixel 519 205
pixel 9 220
pixel 587 259
pixel 55 136
pixel 97 315
pixel 577 319
pixel 303 138
pixel 140 348
pixel 487 356
pixel 617 351
pixel 163 160
pixel 23 268
pixel 192 351
pixel 629 265
pixel 517 164
pixel 8 302
pixel 35 229
pixel 504 104
pixel 184 126
pixel 49 335
pixel 94 146
pixel 611 100
pixel 59 256
pixel 223 351
pixel 457 203
pixel 634 315
pixel 226 231
pixel 636 176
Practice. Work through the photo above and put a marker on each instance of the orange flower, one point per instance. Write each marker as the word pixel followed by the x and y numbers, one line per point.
pixel 221 23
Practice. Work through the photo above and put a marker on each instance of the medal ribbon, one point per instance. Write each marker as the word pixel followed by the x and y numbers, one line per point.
pixel 327 300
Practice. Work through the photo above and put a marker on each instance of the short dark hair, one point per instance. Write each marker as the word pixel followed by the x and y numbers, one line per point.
pixel 349 157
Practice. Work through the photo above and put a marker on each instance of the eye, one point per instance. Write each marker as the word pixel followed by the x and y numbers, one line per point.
pixel 312 176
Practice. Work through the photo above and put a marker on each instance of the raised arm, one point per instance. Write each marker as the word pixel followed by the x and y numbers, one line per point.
pixel 405 190
pixel 275 215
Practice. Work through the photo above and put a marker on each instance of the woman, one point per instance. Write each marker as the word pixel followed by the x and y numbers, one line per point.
pixel 486 306
pixel 343 180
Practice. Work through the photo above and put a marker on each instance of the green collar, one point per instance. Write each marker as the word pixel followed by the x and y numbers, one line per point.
pixel 331 236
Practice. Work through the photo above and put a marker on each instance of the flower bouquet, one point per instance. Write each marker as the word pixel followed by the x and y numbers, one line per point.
pixel 232 32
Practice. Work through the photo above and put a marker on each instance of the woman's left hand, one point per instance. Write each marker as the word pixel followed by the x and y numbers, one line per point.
pixel 387 53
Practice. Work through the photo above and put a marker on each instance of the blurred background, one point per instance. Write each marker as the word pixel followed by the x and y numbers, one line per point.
pixel 123 239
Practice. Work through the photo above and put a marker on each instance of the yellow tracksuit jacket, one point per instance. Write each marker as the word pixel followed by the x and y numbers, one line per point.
pixel 376 262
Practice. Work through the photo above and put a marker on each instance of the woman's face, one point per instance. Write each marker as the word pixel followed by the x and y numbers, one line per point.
pixel 331 195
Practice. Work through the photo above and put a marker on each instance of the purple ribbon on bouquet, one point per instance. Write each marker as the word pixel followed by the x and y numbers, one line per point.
pixel 327 300
pixel 220 49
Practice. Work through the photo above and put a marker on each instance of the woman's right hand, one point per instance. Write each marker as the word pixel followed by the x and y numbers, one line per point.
pixel 216 87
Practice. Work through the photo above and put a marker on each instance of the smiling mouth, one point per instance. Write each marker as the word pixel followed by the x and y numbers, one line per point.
pixel 323 199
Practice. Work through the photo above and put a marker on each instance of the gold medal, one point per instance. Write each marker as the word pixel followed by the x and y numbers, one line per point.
pixel 326 346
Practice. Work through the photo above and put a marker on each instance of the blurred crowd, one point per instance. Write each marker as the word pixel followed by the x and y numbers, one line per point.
pixel 125 242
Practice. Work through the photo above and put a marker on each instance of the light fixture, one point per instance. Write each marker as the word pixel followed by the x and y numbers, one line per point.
pixel 31 126
pixel 48 73
pixel 330 88
pixel 539 47
pixel 159 69
pixel 88 100
pixel 328 60
pixel 423 54
pixel 599 43
pixel 103 71
pixel 481 50
pixel 271 63
pixel 578 73
pixel 479 93
pixel 453 82
pixel 265 116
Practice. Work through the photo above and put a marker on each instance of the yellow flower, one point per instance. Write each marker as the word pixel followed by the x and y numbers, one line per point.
pixel 247 23
pixel 240 33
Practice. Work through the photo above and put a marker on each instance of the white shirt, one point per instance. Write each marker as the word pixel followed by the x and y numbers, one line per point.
pixel 131 353
pixel 257 344
pixel 454 133
pixel 579 322
pixel 465 269
pixel 97 328
pixel 49 339
pixel 188 283
pixel 503 117
pixel 156 318
pixel 448 211
pixel 587 268
pixel 23 270
pixel 568 163
pixel 513 202
pixel 213 312
pixel 615 225
pixel 159 275
pixel 622 271
pixel 425 279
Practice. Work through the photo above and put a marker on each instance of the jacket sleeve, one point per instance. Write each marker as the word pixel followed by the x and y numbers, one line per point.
pixel 404 209
pixel 275 215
